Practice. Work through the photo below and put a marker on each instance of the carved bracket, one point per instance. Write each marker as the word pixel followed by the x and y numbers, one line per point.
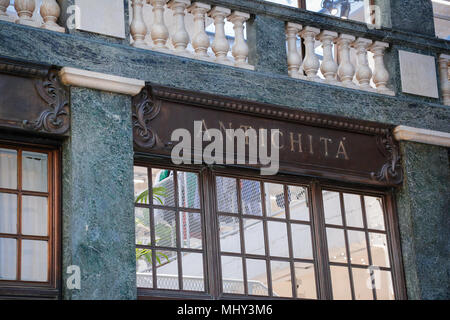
pixel 144 110
pixel 391 172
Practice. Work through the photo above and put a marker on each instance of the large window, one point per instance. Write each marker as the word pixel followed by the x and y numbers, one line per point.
pixel 222 234
pixel 28 219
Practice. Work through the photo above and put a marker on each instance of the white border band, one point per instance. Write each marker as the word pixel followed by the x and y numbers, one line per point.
pixel 437 138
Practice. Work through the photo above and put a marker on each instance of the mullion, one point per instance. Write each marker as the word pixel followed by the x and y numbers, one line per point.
pixel 164 207
pixel 266 241
pixel 19 215
pixel 347 246
pixel 368 246
pixel 152 224
pixel 289 235
pixel 241 226
pixel 335 226
pixel 177 231
pixel 358 266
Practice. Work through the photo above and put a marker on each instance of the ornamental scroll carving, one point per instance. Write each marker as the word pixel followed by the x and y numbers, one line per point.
pixel 391 172
pixel 144 111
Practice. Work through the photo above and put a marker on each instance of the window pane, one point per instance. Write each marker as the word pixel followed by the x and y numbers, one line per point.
pixel 353 10
pixel 226 194
pixel 374 213
pixel 362 284
pixel 232 275
pixel 34 260
pixel 257 277
pixel 144 274
pixel 278 241
pixel 8 213
pixel 358 247
pixel 383 285
pixel 140 185
pixel 165 228
pixel 275 206
pixel 193 278
pixel 167 270
pixel 353 211
pixel 191 230
pixel 298 203
pixel 336 245
pixel 251 197
pixel 230 240
pixel 332 208
pixel 34 216
pixel 301 241
pixel 281 278
pixel 8 168
pixel 188 190
pixel 305 280
pixel 254 236
pixel 34 171
pixel 8 259
pixel 163 187
pixel 142 225
pixel 340 281
pixel 379 250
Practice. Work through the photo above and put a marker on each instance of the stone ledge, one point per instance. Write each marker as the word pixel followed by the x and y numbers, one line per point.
pixel 439 138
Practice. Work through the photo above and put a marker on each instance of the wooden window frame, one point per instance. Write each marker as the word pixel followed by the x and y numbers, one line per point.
pixel 50 289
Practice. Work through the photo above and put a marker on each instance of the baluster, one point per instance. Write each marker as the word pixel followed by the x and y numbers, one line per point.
pixel 180 38
pixel 25 9
pixel 380 74
pixel 363 72
pixel 311 61
pixel 200 41
pixel 443 74
pixel 346 70
pixel 240 47
pixel 220 45
pixel 50 12
pixel 3 7
pixel 329 66
pixel 138 29
pixel 159 31
pixel 294 59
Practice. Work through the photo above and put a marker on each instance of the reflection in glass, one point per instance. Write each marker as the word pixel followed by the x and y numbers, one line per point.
pixel 188 190
pixel 332 207
pixel 383 285
pixel 232 275
pixel 358 247
pixel 226 194
pixel 8 213
pixel 305 280
pixel 278 241
pixel 34 260
pixel 254 236
pixel 8 259
pixel 165 228
pixel 298 203
pixel 191 230
pixel 301 241
pixel 336 245
pixel 374 213
pixel 281 278
pixel 362 283
pixel 34 171
pixel 251 197
pixel 167 271
pixel 8 168
pixel 144 274
pixel 353 211
pixel 163 187
pixel 192 266
pixel 257 277
pixel 142 225
pixel 275 206
pixel 379 250
pixel 229 234
pixel 34 216
pixel 340 281
pixel 140 185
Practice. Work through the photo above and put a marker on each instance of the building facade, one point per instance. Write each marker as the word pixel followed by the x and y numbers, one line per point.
pixel 93 204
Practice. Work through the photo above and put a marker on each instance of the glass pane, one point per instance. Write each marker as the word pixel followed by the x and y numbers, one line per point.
pixel 275 206
pixel 193 278
pixel 188 190
pixel 336 245
pixel 226 194
pixel 281 278
pixel 374 213
pixel 332 208
pixel 257 277
pixel 298 203
pixel 142 225
pixel 167 270
pixel 34 260
pixel 278 241
pixel 383 285
pixel 144 273
pixel 34 171
pixel 362 283
pixel 8 168
pixel 34 216
pixel 165 228
pixel 353 10
pixel 251 197
pixel 140 185
pixel 232 275
pixel 254 236
pixel 191 230
pixel 8 259
pixel 290 3
pixel 353 211
pixel 358 247
pixel 379 250
pixel 301 241
pixel 8 213
pixel 340 281
pixel 163 187
pixel 230 240
pixel 305 280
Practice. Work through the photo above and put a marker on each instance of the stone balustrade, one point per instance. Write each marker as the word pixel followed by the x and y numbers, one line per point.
pixel 444 74
pixel 49 12
pixel 338 65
